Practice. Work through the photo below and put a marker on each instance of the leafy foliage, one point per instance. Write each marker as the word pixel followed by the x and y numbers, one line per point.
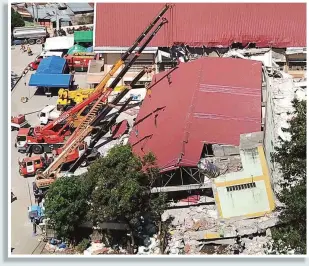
pixel 67 204
pixel 291 156
pixel 118 187
pixel 16 19
pixel 83 245
pixel 123 183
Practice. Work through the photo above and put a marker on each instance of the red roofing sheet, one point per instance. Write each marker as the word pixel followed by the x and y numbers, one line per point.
pixel 208 24
pixel 119 129
pixel 210 100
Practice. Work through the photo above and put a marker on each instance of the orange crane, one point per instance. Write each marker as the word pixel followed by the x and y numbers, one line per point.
pixel 97 113
pixel 51 136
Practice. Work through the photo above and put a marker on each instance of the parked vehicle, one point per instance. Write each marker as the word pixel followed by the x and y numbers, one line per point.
pixel 48 113
pixel 29 166
pixel 36 214
pixel 18 122
pixel 31 35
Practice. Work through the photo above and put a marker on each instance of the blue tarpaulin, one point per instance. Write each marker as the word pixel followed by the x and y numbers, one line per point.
pixel 51 65
pixel 51 80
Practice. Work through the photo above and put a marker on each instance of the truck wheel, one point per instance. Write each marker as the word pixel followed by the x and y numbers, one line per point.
pixel 39 41
pixel 24 42
pixel 31 41
pixel 84 163
pixel 37 149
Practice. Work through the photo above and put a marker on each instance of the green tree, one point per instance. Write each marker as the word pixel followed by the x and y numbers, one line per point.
pixel 291 157
pixel 16 19
pixel 67 203
pixel 122 191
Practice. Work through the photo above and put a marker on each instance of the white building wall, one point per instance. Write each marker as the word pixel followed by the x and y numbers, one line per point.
pixel 243 202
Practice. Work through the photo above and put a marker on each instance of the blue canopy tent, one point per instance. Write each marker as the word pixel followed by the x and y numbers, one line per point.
pixel 51 65
pixel 51 80
pixel 50 74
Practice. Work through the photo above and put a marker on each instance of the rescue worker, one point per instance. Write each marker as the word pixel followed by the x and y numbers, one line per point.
pixel 29 50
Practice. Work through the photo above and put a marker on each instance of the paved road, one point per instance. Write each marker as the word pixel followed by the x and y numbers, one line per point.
pixel 22 239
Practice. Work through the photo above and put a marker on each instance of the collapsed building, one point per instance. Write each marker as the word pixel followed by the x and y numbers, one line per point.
pixel 214 121
pixel 213 136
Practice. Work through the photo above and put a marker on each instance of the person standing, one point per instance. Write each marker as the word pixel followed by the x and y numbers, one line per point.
pixel 29 50
pixel 43 46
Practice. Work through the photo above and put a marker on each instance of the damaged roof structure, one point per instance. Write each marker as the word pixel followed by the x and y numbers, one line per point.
pixel 207 101
pixel 205 24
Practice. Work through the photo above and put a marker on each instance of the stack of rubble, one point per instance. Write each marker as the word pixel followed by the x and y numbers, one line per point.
pixel 191 225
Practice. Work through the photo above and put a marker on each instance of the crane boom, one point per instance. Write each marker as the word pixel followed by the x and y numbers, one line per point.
pixel 100 87
pixel 94 116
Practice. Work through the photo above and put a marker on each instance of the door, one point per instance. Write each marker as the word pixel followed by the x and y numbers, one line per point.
pixel 30 167
pixel 81 150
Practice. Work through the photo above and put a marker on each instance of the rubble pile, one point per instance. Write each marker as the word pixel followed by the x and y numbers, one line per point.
pixel 100 248
pixel 151 246
pixel 190 226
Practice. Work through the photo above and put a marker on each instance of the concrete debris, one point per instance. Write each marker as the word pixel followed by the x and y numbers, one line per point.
pixel 153 247
pixel 100 248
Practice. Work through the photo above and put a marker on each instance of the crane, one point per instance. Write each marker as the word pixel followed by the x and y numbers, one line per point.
pixel 44 139
pixel 97 113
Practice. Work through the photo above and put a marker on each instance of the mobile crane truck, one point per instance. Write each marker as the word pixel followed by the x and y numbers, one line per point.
pixel 53 135
pixel 97 114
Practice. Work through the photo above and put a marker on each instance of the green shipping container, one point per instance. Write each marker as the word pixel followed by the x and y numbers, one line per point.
pixel 83 36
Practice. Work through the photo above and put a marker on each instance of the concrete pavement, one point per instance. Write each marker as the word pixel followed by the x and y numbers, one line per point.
pixel 22 240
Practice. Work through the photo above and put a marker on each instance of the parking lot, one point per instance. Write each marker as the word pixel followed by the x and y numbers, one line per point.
pixel 22 239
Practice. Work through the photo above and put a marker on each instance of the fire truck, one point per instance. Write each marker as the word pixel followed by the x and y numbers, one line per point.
pixel 95 124
pixel 54 134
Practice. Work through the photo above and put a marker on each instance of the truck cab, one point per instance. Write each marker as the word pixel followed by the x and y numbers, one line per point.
pixel 29 166
pixel 21 139
pixel 36 213
pixel 49 112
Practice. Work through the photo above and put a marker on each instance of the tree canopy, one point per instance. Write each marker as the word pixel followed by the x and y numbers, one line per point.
pixel 116 188
pixel 16 19
pixel 122 190
pixel 67 203
pixel 291 157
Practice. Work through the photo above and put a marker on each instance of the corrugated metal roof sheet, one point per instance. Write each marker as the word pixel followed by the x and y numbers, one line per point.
pixel 211 100
pixel 80 7
pixel 209 24
pixel 49 12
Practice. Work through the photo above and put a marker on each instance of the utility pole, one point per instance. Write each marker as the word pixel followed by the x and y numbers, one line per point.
pixel 57 20
pixel 33 13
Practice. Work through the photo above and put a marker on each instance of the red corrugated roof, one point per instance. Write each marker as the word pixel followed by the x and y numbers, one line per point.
pixel 209 24
pixel 211 100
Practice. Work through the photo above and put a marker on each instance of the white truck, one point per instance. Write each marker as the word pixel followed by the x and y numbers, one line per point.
pixel 31 35
pixel 48 113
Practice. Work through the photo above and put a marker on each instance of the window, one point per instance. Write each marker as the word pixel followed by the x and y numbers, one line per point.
pixel 241 187
pixel 29 163
pixel 21 138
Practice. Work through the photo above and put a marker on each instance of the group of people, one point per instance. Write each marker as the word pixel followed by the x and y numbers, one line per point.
pixel 28 49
